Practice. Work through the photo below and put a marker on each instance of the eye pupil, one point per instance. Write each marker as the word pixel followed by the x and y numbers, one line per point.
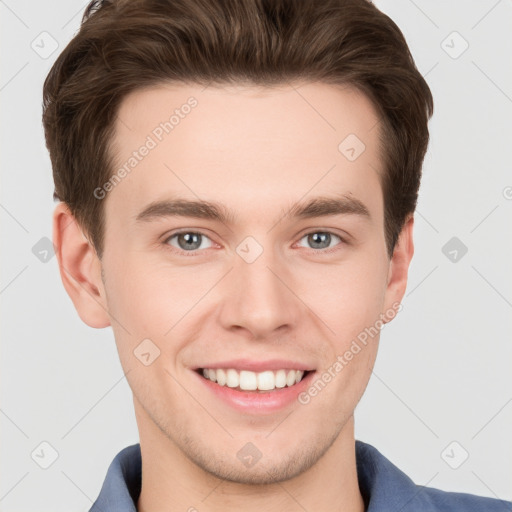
pixel 192 240
pixel 319 240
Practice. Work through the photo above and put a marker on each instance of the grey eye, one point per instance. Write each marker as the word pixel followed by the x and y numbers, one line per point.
pixel 189 241
pixel 320 239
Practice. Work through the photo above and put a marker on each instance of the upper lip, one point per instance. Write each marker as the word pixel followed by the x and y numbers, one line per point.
pixel 257 366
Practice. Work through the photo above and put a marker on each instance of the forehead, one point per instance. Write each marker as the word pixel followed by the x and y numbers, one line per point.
pixel 250 148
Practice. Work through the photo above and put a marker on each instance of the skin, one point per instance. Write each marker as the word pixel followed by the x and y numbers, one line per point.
pixel 256 151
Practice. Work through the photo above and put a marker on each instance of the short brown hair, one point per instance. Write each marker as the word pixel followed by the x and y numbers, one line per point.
pixel 125 45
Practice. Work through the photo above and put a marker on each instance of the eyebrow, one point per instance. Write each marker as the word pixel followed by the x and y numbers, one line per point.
pixel 317 207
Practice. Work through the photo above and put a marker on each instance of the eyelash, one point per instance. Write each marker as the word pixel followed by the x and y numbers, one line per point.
pixel 195 252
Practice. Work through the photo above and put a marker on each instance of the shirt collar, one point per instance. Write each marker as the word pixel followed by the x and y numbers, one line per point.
pixel 121 488
pixel 383 486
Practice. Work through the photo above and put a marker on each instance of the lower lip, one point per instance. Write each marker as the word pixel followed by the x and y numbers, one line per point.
pixel 255 402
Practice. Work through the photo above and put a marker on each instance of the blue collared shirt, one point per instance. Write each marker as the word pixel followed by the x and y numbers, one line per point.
pixel 383 486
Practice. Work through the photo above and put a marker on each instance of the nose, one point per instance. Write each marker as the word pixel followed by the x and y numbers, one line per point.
pixel 259 298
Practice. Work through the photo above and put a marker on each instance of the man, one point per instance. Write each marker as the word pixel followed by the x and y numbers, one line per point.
pixel 237 182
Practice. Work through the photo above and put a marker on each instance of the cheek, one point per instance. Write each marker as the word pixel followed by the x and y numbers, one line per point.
pixel 148 296
pixel 156 301
pixel 348 297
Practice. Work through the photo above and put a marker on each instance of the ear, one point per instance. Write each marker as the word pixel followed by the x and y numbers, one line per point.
pixel 80 268
pixel 399 268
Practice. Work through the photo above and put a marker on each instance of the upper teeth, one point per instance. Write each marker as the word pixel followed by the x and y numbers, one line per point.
pixel 248 381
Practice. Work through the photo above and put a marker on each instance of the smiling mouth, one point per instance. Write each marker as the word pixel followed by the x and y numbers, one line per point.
pixel 256 382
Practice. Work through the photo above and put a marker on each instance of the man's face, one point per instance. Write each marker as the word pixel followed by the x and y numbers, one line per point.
pixel 261 284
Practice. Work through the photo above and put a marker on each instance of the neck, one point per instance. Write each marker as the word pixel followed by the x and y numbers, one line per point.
pixel 171 481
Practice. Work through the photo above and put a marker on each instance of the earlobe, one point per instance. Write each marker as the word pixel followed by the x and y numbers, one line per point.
pixel 80 268
pixel 399 266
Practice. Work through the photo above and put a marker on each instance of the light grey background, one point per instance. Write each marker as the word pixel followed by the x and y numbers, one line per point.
pixel 443 373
